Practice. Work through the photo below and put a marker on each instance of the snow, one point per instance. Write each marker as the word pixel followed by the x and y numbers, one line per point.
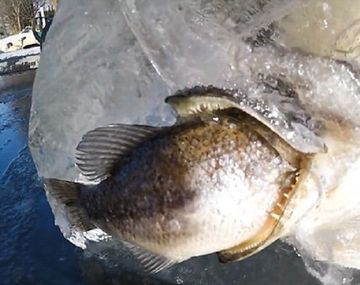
pixel 19 61
pixel 116 61
pixel 20 53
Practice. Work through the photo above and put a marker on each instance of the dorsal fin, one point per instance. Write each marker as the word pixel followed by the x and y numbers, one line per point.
pixel 102 149
pixel 151 262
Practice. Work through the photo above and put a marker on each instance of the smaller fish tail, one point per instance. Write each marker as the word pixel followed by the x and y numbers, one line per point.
pixel 68 193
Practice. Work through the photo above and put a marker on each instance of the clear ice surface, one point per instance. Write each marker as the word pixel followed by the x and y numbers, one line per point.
pixel 116 61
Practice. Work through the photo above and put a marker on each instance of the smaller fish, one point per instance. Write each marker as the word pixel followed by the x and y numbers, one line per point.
pixel 219 182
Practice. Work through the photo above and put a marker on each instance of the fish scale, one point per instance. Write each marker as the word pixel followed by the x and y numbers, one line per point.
pixel 214 182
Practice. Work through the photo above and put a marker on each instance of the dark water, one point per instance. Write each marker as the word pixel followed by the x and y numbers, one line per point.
pixel 33 251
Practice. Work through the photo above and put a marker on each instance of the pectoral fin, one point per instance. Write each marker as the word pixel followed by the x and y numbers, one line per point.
pixel 102 149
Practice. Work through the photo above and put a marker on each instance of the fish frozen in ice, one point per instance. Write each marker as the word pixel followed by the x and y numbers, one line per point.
pixel 218 181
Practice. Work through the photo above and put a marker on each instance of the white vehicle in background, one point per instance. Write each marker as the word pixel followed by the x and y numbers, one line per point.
pixel 22 40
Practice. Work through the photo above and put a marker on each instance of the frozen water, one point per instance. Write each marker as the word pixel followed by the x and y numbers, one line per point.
pixel 27 231
pixel 130 71
pixel 33 251
pixel 116 61
pixel 336 26
pixel 92 72
pixel 202 37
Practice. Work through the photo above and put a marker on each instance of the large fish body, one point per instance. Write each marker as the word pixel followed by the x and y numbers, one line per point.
pixel 213 184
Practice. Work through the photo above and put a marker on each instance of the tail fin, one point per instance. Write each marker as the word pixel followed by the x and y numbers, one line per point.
pixel 68 193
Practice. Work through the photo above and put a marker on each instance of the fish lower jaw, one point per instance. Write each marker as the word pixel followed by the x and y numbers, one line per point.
pixel 264 237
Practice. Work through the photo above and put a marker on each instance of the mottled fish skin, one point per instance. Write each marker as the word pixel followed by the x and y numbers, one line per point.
pixel 193 189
